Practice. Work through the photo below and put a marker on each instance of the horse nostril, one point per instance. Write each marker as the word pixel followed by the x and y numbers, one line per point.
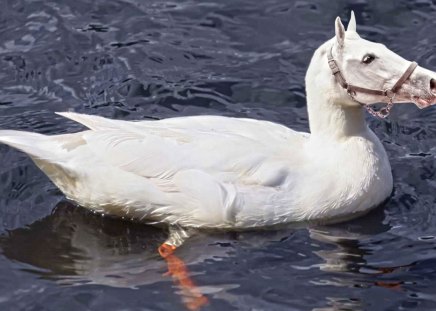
pixel 433 86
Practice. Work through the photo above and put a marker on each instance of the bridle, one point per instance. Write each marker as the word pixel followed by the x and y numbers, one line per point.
pixel 352 90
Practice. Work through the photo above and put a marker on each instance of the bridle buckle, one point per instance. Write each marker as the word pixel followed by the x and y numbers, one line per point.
pixel 351 93
pixel 389 94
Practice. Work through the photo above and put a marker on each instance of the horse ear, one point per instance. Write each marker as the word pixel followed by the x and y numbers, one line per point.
pixel 340 31
pixel 352 23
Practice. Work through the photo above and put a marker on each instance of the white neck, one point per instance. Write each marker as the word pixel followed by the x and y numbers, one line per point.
pixel 352 169
pixel 332 114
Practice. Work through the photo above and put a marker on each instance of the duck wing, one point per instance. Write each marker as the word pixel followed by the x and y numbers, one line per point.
pixel 190 171
pixel 250 128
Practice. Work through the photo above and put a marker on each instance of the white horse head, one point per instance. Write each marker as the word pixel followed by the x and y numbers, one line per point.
pixel 374 66
pixel 363 64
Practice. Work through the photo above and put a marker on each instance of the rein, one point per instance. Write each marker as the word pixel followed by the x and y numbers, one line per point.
pixel 352 90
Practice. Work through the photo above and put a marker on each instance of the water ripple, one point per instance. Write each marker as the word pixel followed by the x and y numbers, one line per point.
pixel 131 59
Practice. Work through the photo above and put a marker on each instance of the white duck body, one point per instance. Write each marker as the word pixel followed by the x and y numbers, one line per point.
pixel 211 172
pixel 219 172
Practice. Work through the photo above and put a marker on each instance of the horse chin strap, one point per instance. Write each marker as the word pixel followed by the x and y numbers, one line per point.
pixel 352 90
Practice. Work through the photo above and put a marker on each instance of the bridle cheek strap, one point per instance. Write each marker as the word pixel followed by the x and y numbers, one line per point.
pixel 352 90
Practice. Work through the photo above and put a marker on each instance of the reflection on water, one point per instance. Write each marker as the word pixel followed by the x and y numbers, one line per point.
pixel 75 247
pixel 347 253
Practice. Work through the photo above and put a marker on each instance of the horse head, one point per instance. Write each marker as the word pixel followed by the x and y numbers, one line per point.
pixel 367 73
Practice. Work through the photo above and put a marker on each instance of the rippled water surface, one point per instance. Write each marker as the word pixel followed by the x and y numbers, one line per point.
pixel 155 59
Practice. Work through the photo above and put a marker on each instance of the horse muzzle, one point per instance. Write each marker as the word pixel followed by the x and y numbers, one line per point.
pixel 426 94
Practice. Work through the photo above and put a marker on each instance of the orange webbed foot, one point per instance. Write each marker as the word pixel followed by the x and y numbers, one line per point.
pixel 192 296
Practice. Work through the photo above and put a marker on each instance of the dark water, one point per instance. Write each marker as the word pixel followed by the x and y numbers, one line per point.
pixel 155 59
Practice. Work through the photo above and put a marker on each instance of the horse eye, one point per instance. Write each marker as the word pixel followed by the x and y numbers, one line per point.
pixel 368 58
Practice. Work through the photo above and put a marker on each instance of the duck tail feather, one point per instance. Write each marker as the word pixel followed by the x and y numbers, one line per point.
pixel 94 123
pixel 34 144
